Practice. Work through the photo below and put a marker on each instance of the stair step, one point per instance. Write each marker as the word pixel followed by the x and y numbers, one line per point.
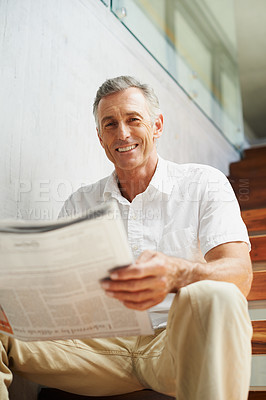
pixel 259 266
pixel 258 291
pixel 258 248
pixel 255 220
pixel 259 337
pixel 248 168
pixel 257 395
pixel 250 192
pixel 255 152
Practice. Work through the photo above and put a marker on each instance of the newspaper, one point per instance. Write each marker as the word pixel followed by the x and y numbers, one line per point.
pixel 50 277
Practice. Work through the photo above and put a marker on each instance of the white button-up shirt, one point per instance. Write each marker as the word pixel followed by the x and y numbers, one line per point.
pixel 186 210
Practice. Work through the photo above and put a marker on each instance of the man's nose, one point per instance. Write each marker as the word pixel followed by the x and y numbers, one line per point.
pixel 123 131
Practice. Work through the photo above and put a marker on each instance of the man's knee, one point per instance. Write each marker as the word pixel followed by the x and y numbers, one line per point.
pixel 221 303
pixel 224 292
pixel 203 298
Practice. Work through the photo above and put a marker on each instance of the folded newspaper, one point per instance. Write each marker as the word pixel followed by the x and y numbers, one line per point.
pixel 50 275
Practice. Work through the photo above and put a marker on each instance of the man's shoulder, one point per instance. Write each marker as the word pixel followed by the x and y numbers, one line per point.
pixel 95 187
pixel 85 197
pixel 195 170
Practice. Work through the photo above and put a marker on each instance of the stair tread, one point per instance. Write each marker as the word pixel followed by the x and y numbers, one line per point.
pixel 250 192
pixel 258 291
pixel 259 337
pixel 249 167
pixel 257 395
pixel 258 248
pixel 255 162
pixel 255 219
pixel 251 152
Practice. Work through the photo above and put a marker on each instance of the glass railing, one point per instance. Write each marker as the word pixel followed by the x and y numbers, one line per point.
pixel 194 41
pixel 106 2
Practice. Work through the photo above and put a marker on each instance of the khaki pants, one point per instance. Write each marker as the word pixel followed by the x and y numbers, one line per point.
pixel 204 353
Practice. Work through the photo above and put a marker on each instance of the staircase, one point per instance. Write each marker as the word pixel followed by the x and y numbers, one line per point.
pixel 248 179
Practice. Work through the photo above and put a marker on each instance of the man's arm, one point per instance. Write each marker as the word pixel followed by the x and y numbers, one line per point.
pixel 146 283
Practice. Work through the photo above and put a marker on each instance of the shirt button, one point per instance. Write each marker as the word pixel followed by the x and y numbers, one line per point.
pixel 135 247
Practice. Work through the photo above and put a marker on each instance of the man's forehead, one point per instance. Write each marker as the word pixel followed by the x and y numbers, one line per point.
pixel 126 101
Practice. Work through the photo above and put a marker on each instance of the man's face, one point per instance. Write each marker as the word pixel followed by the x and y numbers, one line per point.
pixel 126 131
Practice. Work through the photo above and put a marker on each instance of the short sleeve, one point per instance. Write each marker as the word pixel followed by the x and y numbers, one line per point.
pixel 68 209
pixel 219 213
pixel 77 204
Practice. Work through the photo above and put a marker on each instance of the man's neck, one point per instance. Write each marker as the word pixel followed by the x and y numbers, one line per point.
pixel 133 182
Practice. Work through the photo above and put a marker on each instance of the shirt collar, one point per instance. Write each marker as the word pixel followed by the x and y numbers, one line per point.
pixel 111 188
pixel 160 182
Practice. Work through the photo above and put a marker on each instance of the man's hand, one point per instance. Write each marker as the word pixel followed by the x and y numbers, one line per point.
pixel 146 283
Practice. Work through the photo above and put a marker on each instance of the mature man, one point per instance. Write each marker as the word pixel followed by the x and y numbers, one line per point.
pixel 190 247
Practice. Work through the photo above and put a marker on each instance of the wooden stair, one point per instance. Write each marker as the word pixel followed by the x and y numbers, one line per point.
pixel 256 224
pixel 248 179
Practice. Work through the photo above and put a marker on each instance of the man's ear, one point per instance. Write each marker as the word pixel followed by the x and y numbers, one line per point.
pixel 158 126
pixel 99 136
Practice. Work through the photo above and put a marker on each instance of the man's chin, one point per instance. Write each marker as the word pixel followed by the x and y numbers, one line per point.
pixel 127 165
pixel 126 161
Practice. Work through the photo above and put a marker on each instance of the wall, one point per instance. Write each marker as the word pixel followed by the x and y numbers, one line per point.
pixel 54 54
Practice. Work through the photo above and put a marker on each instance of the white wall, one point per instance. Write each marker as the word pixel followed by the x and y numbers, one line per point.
pixel 54 54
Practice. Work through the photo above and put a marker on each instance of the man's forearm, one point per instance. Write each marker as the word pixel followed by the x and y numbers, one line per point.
pixel 227 269
pixel 146 283
pixel 228 262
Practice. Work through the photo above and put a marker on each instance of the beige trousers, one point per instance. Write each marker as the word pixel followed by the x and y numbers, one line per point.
pixel 204 353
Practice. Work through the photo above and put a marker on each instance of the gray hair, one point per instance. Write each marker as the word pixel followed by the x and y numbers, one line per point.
pixel 120 83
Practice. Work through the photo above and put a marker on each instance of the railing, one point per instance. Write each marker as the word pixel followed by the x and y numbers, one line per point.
pixel 194 41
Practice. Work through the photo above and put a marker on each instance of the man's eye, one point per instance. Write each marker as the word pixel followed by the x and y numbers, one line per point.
pixel 133 119
pixel 109 124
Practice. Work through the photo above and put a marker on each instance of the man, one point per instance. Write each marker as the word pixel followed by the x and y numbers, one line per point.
pixel 189 242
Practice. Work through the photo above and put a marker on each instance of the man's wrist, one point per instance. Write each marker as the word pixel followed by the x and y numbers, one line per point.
pixel 187 272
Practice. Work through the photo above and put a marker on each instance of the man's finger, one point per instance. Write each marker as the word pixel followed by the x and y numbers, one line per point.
pixel 146 256
pixel 137 271
pixel 135 285
pixel 136 297
pixel 144 305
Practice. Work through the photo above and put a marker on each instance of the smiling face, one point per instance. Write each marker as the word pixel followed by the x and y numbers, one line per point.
pixel 126 131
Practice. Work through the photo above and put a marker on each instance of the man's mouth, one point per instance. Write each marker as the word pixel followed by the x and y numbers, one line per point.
pixel 127 148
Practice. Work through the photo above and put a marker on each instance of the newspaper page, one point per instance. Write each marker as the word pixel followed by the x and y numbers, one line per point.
pixel 49 280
